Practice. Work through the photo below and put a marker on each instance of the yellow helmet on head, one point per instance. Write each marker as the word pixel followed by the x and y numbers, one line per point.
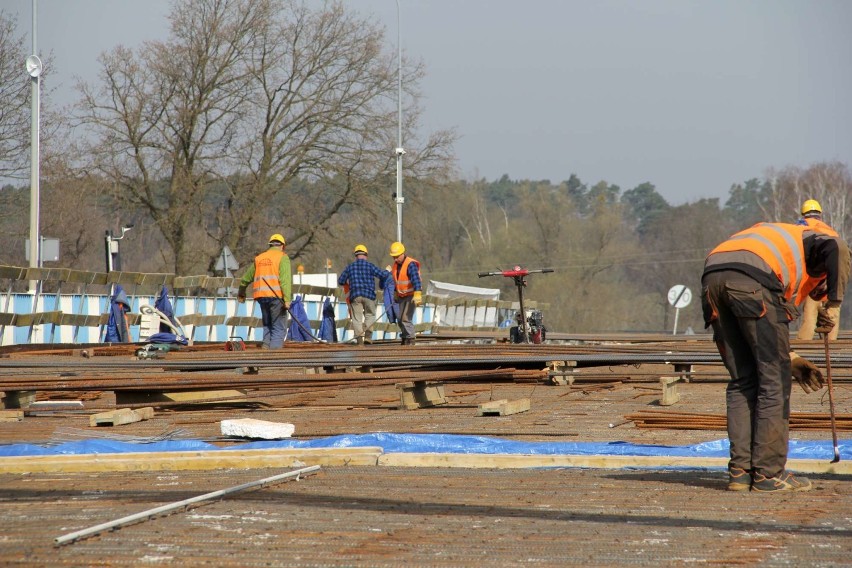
pixel 360 249
pixel 811 206
pixel 397 249
pixel 277 238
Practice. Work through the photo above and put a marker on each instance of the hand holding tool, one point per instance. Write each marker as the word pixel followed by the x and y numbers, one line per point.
pixel 824 323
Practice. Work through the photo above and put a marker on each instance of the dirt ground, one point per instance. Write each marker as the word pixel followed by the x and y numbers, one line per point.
pixel 393 516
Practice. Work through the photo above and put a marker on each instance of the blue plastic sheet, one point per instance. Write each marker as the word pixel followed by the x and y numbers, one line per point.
pixel 117 330
pixel 299 316
pixel 391 307
pixel 328 329
pixel 164 305
pixel 434 443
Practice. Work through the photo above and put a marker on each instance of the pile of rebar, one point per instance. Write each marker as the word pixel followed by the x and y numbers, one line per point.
pixel 697 421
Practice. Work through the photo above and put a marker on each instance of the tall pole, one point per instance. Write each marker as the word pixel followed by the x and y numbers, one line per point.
pixel 399 150
pixel 34 159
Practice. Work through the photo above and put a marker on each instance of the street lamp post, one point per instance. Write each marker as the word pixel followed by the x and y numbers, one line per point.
pixel 34 69
pixel 113 258
pixel 399 149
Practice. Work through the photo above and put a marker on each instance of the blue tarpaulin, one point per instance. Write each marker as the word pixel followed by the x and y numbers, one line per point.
pixel 391 307
pixel 167 334
pixel 117 330
pixel 433 443
pixel 299 315
pixel 328 329
pixel 164 305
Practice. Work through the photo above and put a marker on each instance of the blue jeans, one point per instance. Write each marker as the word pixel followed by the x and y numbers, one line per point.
pixel 272 315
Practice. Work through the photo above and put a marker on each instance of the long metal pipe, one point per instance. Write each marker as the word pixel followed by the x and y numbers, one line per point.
pixel 145 515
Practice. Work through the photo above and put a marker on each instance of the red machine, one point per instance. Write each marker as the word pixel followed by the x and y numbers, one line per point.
pixel 530 328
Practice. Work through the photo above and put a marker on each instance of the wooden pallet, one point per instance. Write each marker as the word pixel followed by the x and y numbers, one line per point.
pixel 503 407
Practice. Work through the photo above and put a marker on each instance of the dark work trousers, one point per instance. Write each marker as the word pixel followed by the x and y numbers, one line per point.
pixel 272 315
pixel 406 316
pixel 750 328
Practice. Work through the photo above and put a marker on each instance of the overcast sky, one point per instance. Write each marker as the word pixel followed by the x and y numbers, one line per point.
pixel 692 96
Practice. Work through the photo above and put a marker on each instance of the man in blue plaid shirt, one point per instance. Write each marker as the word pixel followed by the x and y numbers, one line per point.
pixel 359 281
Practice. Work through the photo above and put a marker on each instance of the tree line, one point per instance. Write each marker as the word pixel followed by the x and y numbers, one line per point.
pixel 282 117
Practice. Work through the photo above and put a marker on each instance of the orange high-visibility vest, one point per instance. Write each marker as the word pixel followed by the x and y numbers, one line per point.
pixel 820 226
pixel 780 246
pixel 404 287
pixel 266 282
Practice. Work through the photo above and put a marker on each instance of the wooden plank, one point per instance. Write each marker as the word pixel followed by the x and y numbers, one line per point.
pixel 25 320
pixel 121 416
pixel 192 460
pixel 11 415
pixel 13 272
pixel 84 277
pixel 143 397
pixel 19 399
pixel 201 320
pixel 243 321
pixel 420 394
pixel 503 407
pixel 670 394
pixel 515 461
pixel 181 282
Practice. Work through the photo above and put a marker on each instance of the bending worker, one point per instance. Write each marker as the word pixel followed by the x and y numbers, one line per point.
pixel 359 277
pixel 272 285
pixel 812 217
pixel 751 286
pixel 409 295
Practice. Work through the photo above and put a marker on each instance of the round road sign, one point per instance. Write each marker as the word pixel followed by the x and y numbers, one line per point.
pixel 679 296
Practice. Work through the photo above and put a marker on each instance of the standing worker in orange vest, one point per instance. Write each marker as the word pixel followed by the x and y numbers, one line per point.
pixel 272 287
pixel 812 217
pixel 751 286
pixel 409 295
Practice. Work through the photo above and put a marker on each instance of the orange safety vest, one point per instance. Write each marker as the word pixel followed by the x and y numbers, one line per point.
pixel 404 287
pixel 820 226
pixel 266 271
pixel 780 246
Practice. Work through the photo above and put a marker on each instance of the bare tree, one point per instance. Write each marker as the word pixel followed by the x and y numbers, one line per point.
pixel 321 88
pixel 256 115
pixel 14 101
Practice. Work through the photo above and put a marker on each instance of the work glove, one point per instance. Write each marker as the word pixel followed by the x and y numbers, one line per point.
pixel 818 293
pixel 824 322
pixel 241 294
pixel 418 298
pixel 807 375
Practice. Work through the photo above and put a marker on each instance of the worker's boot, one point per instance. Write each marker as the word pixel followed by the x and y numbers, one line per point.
pixel 359 340
pixel 739 479
pixel 784 481
pixel 406 341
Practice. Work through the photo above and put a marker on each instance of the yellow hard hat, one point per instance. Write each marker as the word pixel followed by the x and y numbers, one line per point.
pixel 397 249
pixel 277 238
pixel 811 206
pixel 360 249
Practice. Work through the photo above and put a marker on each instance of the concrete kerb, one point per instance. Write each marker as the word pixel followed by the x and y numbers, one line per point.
pixel 367 456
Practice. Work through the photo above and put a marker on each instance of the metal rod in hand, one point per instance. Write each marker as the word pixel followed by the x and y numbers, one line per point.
pixel 831 400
